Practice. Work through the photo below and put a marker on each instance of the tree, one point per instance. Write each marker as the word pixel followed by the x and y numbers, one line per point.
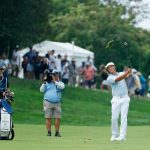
pixel 92 26
pixel 134 10
pixel 23 22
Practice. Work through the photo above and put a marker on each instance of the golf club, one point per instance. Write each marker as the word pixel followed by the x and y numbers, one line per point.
pixel 128 53
pixel 124 44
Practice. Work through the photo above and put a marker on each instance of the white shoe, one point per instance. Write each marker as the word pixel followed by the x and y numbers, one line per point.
pixel 113 138
pixel 120 139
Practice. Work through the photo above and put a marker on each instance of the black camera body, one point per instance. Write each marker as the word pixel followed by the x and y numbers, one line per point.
pixel 9 96
pixel 48 75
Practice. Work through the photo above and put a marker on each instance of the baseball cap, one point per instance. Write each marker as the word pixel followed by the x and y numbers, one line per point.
pixel 55 71
pixel 2 67
pixel 109 64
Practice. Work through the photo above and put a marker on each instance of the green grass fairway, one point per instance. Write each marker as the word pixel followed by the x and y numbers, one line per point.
pixel 80 107
pixel 33 137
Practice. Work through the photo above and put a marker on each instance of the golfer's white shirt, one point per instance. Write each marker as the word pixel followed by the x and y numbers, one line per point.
pixel 119 88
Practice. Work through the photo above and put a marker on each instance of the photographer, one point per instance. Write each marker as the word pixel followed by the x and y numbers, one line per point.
pixel 52 89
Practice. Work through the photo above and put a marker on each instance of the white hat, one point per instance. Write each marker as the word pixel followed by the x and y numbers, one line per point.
pixel 54 71
pixel 109 64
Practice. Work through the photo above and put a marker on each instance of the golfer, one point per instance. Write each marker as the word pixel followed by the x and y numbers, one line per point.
pixel 120 101
pixel 52 89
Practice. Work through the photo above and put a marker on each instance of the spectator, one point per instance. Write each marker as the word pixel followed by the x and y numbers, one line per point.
pixel 64 61
pixel 80 75
pixel 44 66
pixel 94 76
pixel 89 60
pixel 88 75
pixel 143 84
pixel 24 66
pixel 65 73
pixel 137 83
pixel 48 55
pixel 37 66
pixel 58 63
pixel 5 63
pixel 5 60
pixel 52 63
pixel 72 72
pixel 130 81
pixel 30 66
pixel 1 61
pixel 30 55
pixel 148 87
pixel 15 62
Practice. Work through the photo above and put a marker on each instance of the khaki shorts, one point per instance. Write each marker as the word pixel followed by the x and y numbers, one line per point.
pixel 52 110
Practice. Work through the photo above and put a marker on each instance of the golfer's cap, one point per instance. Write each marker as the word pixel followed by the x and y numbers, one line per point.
pixel 109 64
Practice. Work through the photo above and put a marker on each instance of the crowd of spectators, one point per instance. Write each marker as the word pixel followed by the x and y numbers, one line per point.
pixel 33 67
pixel 85 75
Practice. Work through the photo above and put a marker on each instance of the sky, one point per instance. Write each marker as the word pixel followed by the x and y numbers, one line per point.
pixel 146 22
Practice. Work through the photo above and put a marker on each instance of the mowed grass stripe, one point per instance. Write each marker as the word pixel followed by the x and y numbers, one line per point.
pixel 34 137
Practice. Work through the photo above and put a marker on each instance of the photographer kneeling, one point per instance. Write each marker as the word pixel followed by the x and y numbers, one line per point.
pixel 52 89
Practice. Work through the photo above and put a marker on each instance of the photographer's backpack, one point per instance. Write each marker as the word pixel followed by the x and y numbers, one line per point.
pixel 6 124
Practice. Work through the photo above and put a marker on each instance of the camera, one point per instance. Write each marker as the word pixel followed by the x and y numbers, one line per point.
pixel 48 75
pixel 9 96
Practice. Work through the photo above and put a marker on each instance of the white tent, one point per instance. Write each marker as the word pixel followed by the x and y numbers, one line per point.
pixel 71 50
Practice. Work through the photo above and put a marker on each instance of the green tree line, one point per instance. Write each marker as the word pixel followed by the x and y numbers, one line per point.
pixel 91 24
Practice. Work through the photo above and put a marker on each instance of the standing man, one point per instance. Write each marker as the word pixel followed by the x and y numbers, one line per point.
pixel 52 89
pixel 120 101
pixel 4 85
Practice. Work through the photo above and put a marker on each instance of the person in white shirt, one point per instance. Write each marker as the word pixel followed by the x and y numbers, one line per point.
pixel 120 101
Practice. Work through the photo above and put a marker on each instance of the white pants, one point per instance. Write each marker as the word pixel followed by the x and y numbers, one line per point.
pixel 120 107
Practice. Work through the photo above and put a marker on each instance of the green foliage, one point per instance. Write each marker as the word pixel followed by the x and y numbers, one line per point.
pixel 79 106
pixel 23 22
pixel 89 23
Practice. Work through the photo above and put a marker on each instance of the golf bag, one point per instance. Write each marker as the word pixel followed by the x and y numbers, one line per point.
pixel 6 123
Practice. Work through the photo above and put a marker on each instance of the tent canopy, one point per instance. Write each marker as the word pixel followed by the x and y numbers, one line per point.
pixel 71 50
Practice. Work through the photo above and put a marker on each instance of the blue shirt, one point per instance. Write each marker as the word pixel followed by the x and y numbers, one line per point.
pixel 3 85
pixel 52 91
pixel 119 88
